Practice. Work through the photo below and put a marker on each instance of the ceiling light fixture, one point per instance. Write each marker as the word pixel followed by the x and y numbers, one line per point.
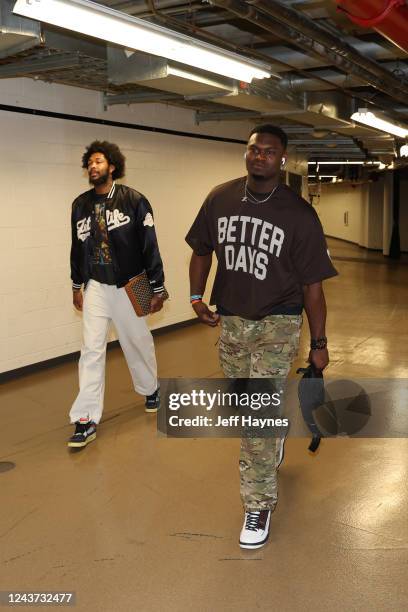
pixel 350 163
pixel 337 163
pixel 404 150
pixel 92 19
pixel 322 176
pixel 368 118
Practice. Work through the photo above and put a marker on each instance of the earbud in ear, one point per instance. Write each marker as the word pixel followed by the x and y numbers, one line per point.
pixel 245 154
pixel 283 162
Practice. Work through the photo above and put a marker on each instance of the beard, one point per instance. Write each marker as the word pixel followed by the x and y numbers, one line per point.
pixel 100 180
pixel 260 177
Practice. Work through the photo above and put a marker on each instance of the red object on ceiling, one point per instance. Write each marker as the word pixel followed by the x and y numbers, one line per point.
pixel 388 17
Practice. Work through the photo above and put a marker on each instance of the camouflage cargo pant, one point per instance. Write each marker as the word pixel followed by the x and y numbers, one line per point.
pixel 259 349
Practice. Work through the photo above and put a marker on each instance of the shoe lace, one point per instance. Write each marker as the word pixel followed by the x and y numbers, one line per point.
pixel 252 519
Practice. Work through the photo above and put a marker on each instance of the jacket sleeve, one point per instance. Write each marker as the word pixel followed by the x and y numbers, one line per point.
pixel 150 249
pixel 75 255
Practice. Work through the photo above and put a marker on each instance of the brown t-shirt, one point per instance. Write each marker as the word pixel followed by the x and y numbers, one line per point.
pixel 265 252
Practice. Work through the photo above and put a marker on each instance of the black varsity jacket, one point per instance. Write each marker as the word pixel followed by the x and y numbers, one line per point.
pixel 132 237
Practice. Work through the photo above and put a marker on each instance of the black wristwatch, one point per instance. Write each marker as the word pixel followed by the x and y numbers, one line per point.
pixel 317 344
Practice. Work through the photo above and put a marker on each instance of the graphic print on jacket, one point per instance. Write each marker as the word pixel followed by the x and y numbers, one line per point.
pixel 128 234
pixel 115 219
pixel 83 228
pixel 249 242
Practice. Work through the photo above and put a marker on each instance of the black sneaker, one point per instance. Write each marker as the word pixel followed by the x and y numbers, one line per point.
pixel 84 433
pixel 152 403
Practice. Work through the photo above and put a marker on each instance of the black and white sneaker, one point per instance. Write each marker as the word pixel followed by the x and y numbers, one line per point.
pixel 255 531
pixel 152 403
pixel 84 433
pixel 280 451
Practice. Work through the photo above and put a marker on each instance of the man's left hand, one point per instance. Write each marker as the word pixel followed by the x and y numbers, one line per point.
pixel 319 358
pixel 156 304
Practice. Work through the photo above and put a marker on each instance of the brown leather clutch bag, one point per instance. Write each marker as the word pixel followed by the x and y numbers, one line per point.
pixel 140 294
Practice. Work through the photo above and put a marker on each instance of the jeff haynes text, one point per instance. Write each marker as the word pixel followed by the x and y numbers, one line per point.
pixel 231 421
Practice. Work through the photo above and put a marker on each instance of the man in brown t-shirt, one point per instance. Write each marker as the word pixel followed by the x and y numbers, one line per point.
pixel 272 259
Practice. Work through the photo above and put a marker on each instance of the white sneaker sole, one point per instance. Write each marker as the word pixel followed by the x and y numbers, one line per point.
pixel 152 410
pixel 253 546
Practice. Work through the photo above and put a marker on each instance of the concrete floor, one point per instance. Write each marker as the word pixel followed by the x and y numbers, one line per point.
pixel 138 522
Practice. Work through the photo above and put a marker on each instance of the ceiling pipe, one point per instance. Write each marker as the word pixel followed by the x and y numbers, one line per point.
pixel 325 78
pixel 332 80
pixel 280 55
pixel 388 17
pixel 140 6
pixel 290 25
pixel 169 8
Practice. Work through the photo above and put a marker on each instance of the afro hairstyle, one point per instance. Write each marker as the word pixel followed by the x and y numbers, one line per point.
pixel 112 153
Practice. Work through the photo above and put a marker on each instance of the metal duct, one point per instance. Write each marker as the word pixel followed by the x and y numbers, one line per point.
pixel 388 17
pixel 160 73
pixel 16 33
pixel 287 23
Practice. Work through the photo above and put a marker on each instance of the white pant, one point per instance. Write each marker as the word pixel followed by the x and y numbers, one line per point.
pixel 102 304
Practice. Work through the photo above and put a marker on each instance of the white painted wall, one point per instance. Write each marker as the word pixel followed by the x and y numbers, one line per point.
pixel 375 205
pixel 337 199
pixel 364 204
pixel 387 213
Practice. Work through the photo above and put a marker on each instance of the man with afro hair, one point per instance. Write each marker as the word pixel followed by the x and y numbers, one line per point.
pixel 113 240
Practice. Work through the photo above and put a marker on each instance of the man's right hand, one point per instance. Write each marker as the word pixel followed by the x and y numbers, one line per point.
pixel 206 315
pixel 77 299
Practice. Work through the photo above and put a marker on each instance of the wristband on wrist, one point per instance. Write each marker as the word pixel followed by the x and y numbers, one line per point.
pixel 195 298
pixel 317 344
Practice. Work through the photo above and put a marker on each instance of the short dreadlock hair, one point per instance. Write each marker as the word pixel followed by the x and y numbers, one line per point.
pixel 112 153
pixel 268 128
